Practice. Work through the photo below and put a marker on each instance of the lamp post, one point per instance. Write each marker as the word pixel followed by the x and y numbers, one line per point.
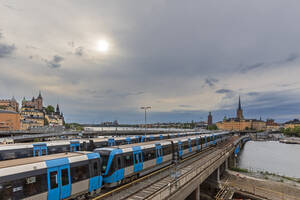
pixel 145 108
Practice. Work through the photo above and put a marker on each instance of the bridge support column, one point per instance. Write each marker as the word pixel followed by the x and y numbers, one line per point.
pixel 195 195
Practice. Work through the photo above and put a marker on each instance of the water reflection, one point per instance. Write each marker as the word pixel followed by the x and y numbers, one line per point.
pixel 271 156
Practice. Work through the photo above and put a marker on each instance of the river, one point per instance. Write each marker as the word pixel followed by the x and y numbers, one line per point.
pixel 271 156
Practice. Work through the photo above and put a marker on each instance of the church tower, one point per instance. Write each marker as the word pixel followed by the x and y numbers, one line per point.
pixel 39 102
pixel 239 111
pixel 209 119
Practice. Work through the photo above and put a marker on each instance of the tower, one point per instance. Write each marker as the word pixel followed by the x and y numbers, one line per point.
pixel 239 111
pixel 57 110
pixel 209 119
pixel 39 102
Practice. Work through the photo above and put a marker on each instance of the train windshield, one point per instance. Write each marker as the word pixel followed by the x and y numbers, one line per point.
pixel 104 155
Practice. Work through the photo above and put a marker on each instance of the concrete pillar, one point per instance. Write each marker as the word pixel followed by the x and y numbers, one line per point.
pixel 218 174
pixel 198 193
pixel 195 195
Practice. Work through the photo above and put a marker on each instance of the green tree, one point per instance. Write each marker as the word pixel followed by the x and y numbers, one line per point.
pixel 212 127
pixel 50 109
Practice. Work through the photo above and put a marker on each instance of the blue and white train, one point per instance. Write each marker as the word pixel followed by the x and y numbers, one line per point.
pixel 23 150
pixel 127 162
pixel 51 177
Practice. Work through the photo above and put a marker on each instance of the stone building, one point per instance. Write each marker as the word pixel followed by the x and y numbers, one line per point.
pixel 34 103
pixel 32 113
pixel 9 104
pixel 240 123
pixel 292 124
pixel 271 125
pixel 9 120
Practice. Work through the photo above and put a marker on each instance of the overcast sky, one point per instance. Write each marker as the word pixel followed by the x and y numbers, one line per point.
pixel 183 58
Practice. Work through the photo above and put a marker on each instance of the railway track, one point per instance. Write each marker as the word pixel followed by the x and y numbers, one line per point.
pixel 146 185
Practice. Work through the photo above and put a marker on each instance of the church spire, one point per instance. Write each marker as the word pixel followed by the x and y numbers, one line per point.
pixel 239 111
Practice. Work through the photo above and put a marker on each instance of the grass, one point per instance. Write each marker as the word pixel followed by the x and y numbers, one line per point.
pixel 237 169
pixel 266 173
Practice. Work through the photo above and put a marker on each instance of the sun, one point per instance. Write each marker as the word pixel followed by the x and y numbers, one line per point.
pixel 102 46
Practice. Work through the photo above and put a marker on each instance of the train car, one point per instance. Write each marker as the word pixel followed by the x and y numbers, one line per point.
pixel 58 176
pixel 125 163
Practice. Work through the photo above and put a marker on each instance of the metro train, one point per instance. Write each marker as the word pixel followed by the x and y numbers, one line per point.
pixel 82 173
pixel 51 177
pixel 13 151
pixel 127 162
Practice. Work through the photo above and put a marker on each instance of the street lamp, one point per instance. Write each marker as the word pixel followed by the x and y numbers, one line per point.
pixel 145 108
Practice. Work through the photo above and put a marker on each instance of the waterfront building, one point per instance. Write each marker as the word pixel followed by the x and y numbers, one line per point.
pixel 271 125
pixel 9 104
pixel 239 123
pixel 9 120
pixel 292 124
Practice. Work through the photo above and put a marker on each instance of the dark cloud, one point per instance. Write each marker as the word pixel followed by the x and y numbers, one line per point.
pixel 55 62
pixel 291 58
pixel 6 50
pixel 185 106
pixel 79 51
pixel 253 93
pixel 252 67
pixel 211 81
pixel 224 91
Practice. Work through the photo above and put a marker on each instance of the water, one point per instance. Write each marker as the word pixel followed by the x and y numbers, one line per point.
pixel 271 156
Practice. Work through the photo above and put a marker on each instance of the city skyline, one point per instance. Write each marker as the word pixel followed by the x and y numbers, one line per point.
pixel 102 61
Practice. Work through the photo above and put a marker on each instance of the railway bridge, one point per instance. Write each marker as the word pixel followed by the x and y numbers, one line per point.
pixel 181 180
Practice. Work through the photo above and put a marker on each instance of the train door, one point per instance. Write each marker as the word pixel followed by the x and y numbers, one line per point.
pixel 59 182
pixel 95 181
pixel 128 140
pixel 179 149
pixel 111 142
pixel 74 146
pixel 161 137
pixel 119 168
pixel 159 153
pixel 197 144
pixel 137 159
pixel 214 139
pixel 206 142
pixel 190 145
pixel 40 149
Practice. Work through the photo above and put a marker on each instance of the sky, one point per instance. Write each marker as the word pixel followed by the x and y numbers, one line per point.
pixel 182 58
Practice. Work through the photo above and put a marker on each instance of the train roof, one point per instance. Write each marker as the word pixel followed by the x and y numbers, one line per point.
pixel 32 160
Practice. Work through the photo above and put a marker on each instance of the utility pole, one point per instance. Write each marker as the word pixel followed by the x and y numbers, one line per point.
pixel 145 108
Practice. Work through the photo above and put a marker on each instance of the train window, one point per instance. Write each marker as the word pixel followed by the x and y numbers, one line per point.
pixel 80 173
pixel 104 162
pixel 137 158
pixel 53 180
pixel 35 185
pixel 118 162
pixel 95 168
pixel 65 177
pixel 128 160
